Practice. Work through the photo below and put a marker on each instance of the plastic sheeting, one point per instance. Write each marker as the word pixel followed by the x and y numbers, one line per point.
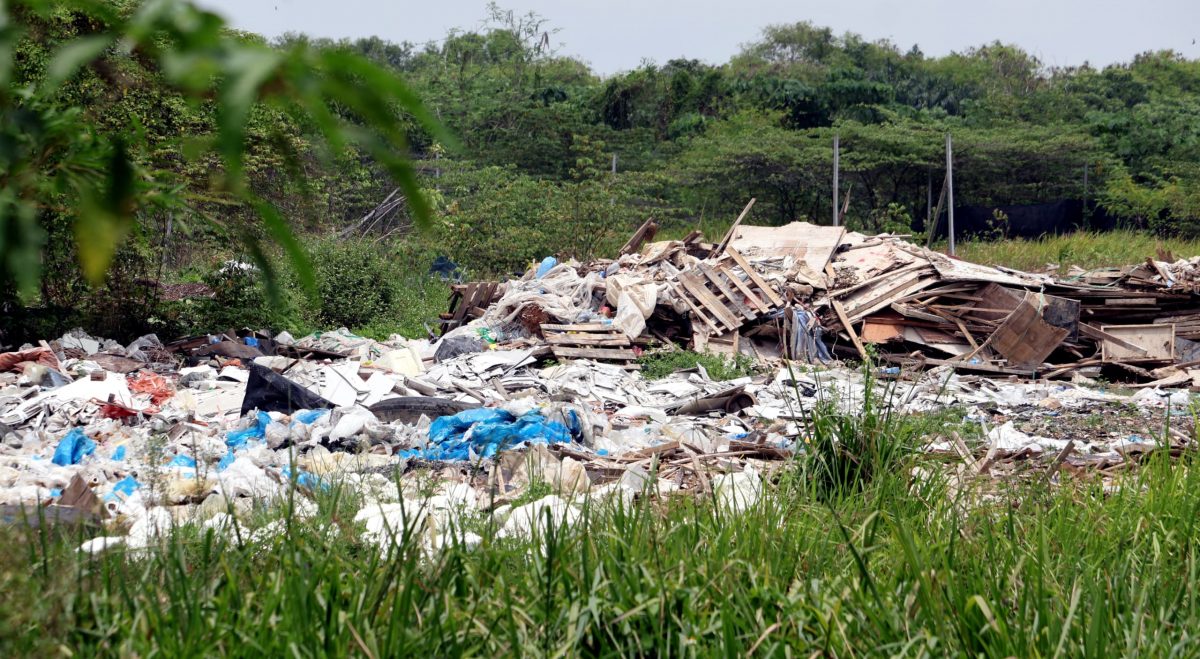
pixel 484 432
pixel 269 391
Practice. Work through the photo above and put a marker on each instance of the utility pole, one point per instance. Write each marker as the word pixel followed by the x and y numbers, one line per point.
pixel 836 155
pixel 614 164
pixel 950 189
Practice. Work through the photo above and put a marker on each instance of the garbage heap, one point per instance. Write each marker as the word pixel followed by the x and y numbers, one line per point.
pixel 819 294
pixel 537 379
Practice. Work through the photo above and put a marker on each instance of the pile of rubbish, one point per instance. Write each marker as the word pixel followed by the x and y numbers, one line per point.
pixel 538 379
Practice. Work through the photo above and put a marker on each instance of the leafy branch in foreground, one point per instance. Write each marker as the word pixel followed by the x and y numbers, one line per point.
pixel 54 158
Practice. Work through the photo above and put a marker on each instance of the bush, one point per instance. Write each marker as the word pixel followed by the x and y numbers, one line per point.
pixel 376 288
pixel 355 283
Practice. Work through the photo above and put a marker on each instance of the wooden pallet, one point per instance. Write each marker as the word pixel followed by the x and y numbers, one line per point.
pixel 468 302
pixel 596 341
pixel 721 300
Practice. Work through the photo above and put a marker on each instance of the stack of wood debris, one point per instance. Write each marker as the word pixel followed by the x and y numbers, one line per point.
pixel 819 293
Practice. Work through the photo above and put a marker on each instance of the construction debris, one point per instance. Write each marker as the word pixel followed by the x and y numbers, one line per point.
pixel 546 367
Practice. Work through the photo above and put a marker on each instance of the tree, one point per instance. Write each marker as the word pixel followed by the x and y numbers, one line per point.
pixel 60 161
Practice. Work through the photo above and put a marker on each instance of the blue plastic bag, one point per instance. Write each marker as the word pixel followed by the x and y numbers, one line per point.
pixel 119 454
pixel 307 417
pixel 547 265
pixel 304 479
pixel 226 461
pixel 182 461
pixel 73 448
pixel 237 438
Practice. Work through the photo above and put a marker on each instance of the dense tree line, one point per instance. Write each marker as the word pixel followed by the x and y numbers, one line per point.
pixel 542 154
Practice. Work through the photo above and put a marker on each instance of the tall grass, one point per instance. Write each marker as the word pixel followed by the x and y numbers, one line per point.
pixel 894 568
pixel 1084 249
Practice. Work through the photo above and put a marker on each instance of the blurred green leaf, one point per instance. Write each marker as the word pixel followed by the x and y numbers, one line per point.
pixel 246 71
pixel 71 57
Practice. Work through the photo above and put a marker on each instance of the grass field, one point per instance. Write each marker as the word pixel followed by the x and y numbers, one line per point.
pixel 1084 249
pixel 902 567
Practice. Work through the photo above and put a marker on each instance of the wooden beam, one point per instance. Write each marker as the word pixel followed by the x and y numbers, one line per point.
pixel 729 234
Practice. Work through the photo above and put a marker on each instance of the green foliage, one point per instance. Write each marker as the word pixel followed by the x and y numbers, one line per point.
pixel 354 283
pixel 1084 249
pixel 846 450
pixel 105 177
pixel 658 365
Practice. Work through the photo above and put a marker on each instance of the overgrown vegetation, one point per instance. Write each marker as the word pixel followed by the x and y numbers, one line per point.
pixel 658 365
pixel 1084 249
pixel 903 566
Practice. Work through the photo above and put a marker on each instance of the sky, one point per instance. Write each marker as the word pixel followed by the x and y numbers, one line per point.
pixel 618 35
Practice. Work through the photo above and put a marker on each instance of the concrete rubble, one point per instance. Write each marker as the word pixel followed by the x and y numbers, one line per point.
pixel 535 384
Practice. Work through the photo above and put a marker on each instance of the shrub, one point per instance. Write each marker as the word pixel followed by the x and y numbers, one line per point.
pixel 355 283
pixel 846 450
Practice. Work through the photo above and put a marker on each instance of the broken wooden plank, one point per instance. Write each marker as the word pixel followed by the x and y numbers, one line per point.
pixel 841 314
pixel 599 340
pixel 727 292
pixel 753 275
pixel 693 285
pixel 1153 343
pixel 746 291
pixel 734 227
pixel 1097 333
pixel 594 353
pixel 644 233
pixel 582 327
pixel 696 311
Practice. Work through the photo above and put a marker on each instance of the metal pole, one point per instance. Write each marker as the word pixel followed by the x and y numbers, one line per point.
pixel 950 189
pixel 836 155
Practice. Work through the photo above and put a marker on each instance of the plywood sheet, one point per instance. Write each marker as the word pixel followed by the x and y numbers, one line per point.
pixel 809 243
pixel 1157 340
pixel 936 340
pixel 1025 339
pixel 880 330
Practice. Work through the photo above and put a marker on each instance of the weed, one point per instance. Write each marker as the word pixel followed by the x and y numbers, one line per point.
pixel 659 365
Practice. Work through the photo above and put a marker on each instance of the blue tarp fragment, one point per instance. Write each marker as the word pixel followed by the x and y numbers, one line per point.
pixel 307 417
pixel 226 461
pixel 490 431
pixel 545 266
pixel 124 486
pixel 72 448
pixel 182 461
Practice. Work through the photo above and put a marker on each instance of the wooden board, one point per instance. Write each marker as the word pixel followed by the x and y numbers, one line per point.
pixel 751 298
pixel 582 327
pixel 697 289
pixel 1156 343
pixel 616 339
pixel 594 353
pixel 733 298
pixel 753 275
pixel 881 330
